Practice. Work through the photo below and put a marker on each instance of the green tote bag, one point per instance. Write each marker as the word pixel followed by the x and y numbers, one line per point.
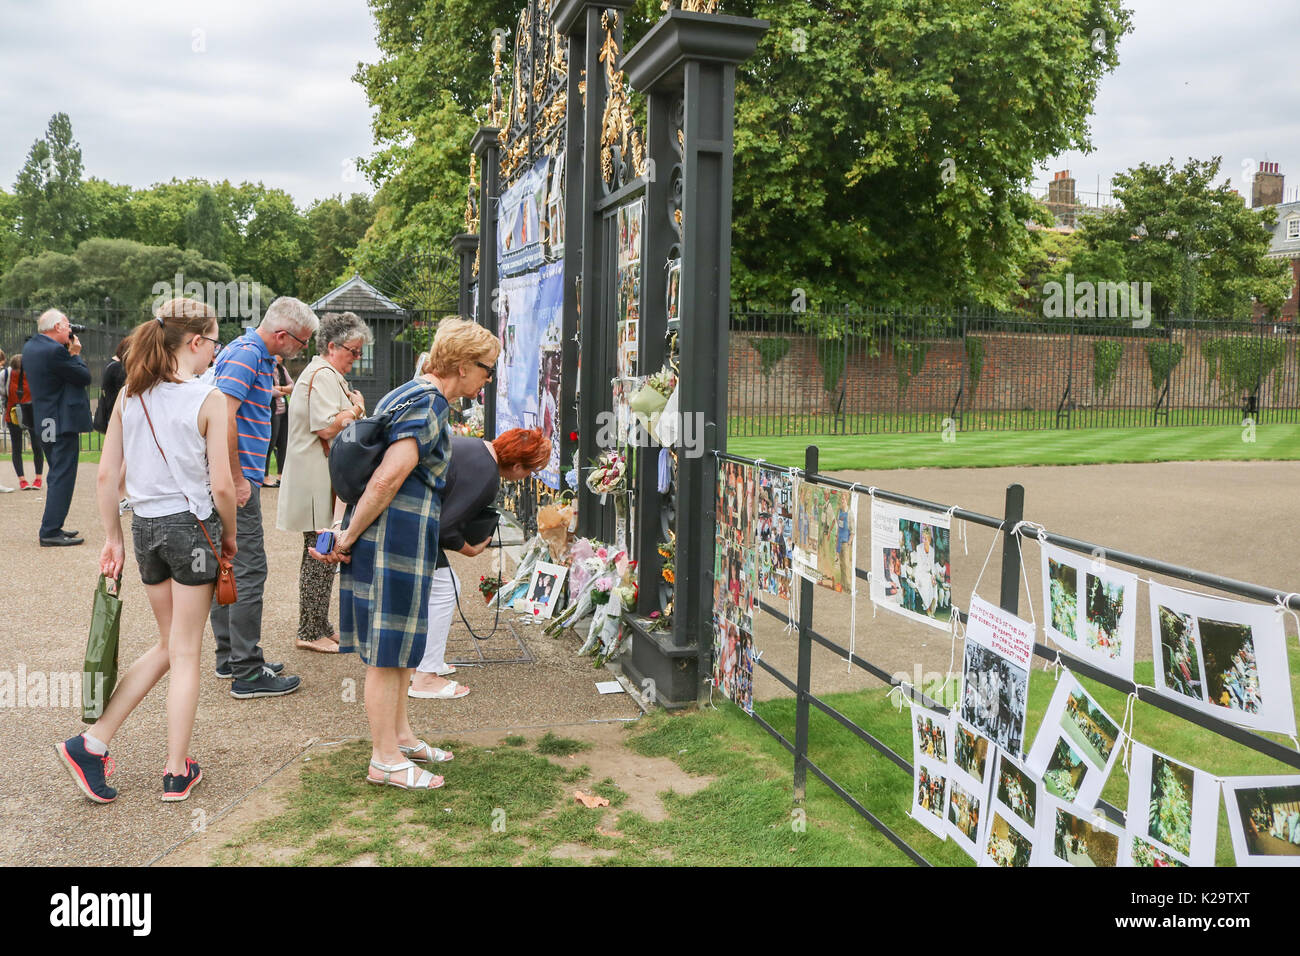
pixel 99 673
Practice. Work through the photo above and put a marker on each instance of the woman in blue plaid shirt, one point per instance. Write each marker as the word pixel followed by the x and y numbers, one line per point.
pixel 389 547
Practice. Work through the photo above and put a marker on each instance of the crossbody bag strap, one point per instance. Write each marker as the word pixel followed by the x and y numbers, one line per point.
pixel 324 444
pixel 215 553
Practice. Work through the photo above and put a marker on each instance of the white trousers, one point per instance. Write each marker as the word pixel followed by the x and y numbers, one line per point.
pixel 442 606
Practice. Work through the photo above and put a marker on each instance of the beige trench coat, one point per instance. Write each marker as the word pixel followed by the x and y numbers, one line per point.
pixel 305 502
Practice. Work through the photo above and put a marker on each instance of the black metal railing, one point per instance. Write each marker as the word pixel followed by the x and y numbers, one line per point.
pixel 1009 526
pixel 813 373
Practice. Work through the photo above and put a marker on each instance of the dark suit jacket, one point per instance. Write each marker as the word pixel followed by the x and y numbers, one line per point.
pixel 58 382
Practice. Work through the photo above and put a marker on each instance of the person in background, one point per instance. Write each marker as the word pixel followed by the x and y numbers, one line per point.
pixel 58 375
pixel 389 546
pixel 4 403
pixel 322 406
pixel 279 422
pixel 477 469
pixel 243 372
pixel 171 428
pixel 110 384
pixel 18 397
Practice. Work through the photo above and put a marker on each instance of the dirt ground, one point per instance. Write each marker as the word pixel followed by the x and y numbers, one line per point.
pixel 1213 516
pixel 45 602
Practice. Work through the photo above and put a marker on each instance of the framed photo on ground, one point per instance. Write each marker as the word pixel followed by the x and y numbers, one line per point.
pixel 544 588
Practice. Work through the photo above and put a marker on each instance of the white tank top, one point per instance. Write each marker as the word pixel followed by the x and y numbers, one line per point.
pixel 157 488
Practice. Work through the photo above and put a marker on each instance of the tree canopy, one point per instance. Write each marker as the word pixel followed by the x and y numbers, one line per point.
pixel 883 147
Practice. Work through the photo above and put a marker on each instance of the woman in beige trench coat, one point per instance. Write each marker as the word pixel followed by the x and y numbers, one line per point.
pixel 321 407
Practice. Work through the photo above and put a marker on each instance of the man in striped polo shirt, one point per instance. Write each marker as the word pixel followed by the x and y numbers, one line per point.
pixel 245 374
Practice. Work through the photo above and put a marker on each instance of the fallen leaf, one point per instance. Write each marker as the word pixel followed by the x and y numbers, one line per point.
pixel 590 800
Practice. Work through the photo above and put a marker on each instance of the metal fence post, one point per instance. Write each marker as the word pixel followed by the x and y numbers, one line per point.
pixel 804 678
pixel 1012 516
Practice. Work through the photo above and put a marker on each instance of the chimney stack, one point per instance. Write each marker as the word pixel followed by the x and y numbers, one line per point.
pixel 1266 190
pixel 1060 198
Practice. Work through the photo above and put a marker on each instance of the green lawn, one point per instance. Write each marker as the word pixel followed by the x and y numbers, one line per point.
pixel 745 817
pixel 1049 447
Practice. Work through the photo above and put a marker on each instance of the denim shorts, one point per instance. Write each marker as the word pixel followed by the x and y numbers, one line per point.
pixel 172 547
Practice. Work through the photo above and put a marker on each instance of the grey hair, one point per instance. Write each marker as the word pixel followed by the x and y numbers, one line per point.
pixel 341 328
pixel 287 314
pixel 49 319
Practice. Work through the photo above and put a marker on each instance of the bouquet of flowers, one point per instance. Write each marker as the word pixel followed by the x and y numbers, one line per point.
pixel 536 550
pixel 592 569
pixel 608 474
pixel 470 423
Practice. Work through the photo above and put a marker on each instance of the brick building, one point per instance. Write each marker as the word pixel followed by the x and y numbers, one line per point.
pixel 1267 190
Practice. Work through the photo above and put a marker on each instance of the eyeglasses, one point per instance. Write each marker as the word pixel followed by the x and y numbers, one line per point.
pixel 302 342
pixel 216 342
pixel 356 353
pixel 490 369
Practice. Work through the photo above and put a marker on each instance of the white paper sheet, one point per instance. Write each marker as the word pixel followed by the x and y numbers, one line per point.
pixel 1076 745
pixel 1172 808
pixel 995 674
pixel 1091 609
pixel 911 570
pixel 1015 802
pixel 1264 819
pixel 1071 835
pixel 970 773
pixel 931 747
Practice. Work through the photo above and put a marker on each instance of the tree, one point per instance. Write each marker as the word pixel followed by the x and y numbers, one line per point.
pixel 272 241
pixel 108 210
pixel 51 201
pixel 882 146
pixel 10 240
pixel 1199 246
pixel 203 226
pixel 333 230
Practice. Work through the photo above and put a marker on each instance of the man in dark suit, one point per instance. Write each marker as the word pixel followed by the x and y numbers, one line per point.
pixel 58 377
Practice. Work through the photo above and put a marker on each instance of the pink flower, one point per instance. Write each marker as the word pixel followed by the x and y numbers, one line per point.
pixel 653 615
pixel 603 554
pixel 604 583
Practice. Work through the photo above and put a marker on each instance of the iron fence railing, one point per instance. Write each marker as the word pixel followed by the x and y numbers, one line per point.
pixel 814 373
pixel 1008 526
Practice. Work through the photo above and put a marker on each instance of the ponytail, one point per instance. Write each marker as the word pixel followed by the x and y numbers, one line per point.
pixel 151 348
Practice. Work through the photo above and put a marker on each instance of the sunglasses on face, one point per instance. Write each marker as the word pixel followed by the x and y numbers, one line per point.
pixel 490 369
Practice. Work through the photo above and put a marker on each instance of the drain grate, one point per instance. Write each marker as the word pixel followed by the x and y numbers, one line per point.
pixel 504 647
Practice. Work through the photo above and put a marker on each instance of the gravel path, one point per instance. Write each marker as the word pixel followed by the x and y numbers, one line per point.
pixel 45 602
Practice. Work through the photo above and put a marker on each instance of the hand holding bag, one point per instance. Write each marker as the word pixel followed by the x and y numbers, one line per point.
pixel 99 672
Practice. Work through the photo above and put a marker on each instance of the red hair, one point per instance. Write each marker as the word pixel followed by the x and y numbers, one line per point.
pixel 522 446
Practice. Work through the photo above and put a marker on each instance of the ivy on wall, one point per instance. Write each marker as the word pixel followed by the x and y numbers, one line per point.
pixel 770 351
pixel 1241 363
pixel 975 360
pixel 1105 364
pixel 1163 357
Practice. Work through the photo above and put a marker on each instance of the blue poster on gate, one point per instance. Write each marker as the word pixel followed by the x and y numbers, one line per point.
pixel 550 317
pixel 519 216
pixel 517 368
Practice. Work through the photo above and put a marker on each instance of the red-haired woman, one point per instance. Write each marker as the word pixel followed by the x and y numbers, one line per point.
pixel 171 429
pixel 477 469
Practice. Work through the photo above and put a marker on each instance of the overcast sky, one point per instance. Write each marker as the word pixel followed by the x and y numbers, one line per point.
pixel 262 90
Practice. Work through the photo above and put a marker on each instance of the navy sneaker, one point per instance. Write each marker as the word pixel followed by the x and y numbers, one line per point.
pixel 266 684
pixel 225 672
pixel 177 786
pixel 89 771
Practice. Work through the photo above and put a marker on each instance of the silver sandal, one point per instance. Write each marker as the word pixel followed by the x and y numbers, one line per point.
pixel 423 753
pixel 413 782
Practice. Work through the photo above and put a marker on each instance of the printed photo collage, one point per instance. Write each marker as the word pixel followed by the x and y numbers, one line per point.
pixel 735 582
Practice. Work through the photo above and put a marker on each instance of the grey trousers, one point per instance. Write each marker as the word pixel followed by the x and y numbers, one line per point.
pixel 238 626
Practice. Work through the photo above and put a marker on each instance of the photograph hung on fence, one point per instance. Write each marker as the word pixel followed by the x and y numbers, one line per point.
pixel 1091 609
pixel 1013 822
pixel 550 318
pixel 1076 744
pixel 628 287
pixel 519 212
pixel 775 532
pixel 995 674
pixel 1264 819
pixel 968 790
pixel 734 582
pixel 1173 806
pixel 826 521
pixel 733 662
pixel 520 360
pixel 1222 657
pixel 1078 836
pixel 930 749
pixel 911 570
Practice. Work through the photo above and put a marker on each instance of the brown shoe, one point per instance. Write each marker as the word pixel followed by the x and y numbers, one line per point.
pixel 322 645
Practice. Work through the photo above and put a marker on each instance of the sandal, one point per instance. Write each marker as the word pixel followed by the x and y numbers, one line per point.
pixel 416 779
pixel 450 691
pixel 423 753
pixel 322 645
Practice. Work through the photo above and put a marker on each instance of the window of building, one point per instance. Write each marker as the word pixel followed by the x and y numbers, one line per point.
pixel 1293 227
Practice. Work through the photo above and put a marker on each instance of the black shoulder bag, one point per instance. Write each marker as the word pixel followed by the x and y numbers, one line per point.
pixel 358 450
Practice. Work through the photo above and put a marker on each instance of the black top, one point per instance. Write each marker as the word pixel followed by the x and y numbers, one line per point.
pixel 471 484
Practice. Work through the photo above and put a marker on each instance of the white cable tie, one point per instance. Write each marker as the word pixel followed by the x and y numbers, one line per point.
pixel 1296 743
pixel 1283 605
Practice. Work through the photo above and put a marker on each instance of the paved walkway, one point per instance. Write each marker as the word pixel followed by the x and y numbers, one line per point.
pixel 45 601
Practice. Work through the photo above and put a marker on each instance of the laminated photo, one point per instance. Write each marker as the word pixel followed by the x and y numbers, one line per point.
pixel 775 532
pixel 1071 835
pixel 930 749
pixel 1222 657
pixel 1013 823
pixel 826 521
pixel 734 506
pixel 911 573
pixel 1264 819
pixel 1076 745
pixel 733 663
pixel 544 588
pixel 1091 609
pixel 969 775
pixel 995 674
pixel 1172 807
